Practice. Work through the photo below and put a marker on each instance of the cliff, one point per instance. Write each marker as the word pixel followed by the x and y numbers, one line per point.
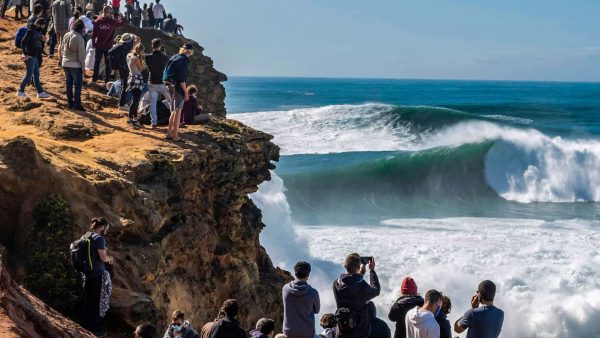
pixel 184 233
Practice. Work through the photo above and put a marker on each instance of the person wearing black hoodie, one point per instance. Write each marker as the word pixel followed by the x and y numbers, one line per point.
pixel 352 292
pixel 32 45
pixel 379 328
pixel 442 320
pixel 228 327
pixel 407 301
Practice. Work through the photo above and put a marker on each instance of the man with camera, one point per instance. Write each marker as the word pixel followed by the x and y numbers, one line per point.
pixel 483 320
pixel 352 293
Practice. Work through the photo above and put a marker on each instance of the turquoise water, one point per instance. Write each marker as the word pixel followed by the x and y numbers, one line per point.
pixel 359 149
pixel 450 182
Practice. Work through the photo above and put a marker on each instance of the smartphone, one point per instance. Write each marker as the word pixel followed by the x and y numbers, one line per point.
pixel 365 260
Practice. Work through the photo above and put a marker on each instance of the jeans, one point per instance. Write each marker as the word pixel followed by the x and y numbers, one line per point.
pixel 123 75
pixel 155 90
pixel 91 303
pixel 98 59
pixel 52 41
pixel 159 23
pixel 32 67
pixel 74 82
pixel 135 103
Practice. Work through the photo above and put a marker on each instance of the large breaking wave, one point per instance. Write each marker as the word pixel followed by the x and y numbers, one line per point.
pixel 431 152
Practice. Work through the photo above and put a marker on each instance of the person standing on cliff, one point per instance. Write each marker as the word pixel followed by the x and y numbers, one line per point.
pixel 73 63
pixel 61 12
pixel 103 40
pixel 300 304
pixel 205 332
pixel 159 15
pixel 409 299
pixel 180 328
pixel 175 77
pixel 156 62
pixel 95 281
pixel 483 320
pixel 228 327
pixel 32 45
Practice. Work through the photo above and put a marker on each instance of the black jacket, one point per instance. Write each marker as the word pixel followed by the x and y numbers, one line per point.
pixel 379 328
pixel 156 62
pixel 32 43
pixel 353 292
pixel 444 323
pixel 227 328
pixel 398 312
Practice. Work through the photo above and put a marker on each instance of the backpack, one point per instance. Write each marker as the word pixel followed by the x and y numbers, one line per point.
pixel 172 68
pixel 117 57
pixel 346 320
pixel 19 35
pixel 81 254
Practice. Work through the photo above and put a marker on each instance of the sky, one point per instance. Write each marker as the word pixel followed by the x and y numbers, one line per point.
pixel 417 39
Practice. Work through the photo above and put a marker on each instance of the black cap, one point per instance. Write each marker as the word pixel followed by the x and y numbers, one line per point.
pixel 188 46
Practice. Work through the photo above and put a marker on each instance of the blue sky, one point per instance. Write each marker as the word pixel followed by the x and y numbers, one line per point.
pixel 439 39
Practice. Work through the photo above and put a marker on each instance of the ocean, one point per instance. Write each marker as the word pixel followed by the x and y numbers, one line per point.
pixel 450 182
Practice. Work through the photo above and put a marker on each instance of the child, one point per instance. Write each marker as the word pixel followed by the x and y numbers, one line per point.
pixel 329 324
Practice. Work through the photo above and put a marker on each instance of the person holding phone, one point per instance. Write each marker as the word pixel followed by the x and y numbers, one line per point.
pixel 352 293
pixel 483 320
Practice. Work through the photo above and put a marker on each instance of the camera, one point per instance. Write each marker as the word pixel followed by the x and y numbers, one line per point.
pixel 365 260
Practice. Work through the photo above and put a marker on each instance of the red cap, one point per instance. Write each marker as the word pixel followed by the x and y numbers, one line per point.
pixel 409 287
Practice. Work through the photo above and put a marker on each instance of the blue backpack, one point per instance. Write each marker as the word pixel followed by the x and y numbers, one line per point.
pixel 19 36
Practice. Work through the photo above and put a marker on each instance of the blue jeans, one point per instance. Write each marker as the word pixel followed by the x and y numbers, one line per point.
pixel 74 82
pixel 159 23
pixel 33 72
pixel 156 90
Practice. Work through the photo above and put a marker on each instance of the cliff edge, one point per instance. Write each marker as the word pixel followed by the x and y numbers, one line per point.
pixel 184 233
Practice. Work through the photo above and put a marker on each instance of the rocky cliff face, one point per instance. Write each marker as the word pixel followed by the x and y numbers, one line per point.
pixel 183 231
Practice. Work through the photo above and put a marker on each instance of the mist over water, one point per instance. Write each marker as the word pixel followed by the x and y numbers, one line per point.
pixel 465 188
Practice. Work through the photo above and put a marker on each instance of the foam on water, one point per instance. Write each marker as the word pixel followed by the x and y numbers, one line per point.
pixel 547 272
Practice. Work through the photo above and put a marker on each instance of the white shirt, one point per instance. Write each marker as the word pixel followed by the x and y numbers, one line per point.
pixel 89 25
pixel 158 10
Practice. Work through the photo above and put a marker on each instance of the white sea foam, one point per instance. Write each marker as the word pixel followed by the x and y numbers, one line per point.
pixel 548 273
pixel 331 129
pixel 526 165
pixel 519 120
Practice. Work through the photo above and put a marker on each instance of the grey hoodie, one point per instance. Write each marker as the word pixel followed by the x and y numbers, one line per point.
pixel 300 304
pixel 421 324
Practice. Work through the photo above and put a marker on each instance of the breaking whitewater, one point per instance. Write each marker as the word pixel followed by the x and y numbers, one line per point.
pixel 446 196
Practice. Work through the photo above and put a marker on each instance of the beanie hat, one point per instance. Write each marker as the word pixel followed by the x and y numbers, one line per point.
pixel 409 287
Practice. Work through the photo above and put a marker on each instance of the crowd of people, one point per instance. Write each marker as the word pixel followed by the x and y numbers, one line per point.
pixel 415 316
pixel 146 83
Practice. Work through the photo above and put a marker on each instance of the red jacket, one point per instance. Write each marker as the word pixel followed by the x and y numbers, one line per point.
pixel 116 3
pixel 104 32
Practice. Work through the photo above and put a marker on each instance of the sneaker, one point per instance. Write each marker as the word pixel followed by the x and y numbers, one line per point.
pixel 43 95
pixel 124 108
pixel 153 126
pixel 21 94
pixel 78 107
pixel 136 124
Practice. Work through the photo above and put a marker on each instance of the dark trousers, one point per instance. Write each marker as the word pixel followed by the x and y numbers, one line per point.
pixel 74 77
pixel 92 289
pixel 101 53
pixel 135 103
pixel 4 7
pixel 19 12
pixel 123 75
pixel 52 41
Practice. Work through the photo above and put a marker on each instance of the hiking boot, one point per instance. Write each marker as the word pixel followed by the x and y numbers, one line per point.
pixel 78 107
pixel 21 94
pixel 43 95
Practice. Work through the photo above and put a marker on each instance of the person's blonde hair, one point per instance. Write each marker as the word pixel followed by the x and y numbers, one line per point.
pixel 191 90
pixel 106 11
pixel 138 51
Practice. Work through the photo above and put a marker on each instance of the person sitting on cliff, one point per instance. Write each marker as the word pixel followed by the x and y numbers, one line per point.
pixel 179 327
pixel 145 331
pixel 228 327
pixel 95 301
pixel 300 304
pixel 205 332
pixel 192 112
pixel 265 328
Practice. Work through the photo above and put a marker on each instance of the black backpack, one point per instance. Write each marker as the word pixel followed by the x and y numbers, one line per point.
pixel 347 320
pixel 82 255
pixel 117 57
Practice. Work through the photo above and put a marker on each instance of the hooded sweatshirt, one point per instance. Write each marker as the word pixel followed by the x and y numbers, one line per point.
pixel 398 312
pixel 104 32
pixel 421 324
pixel 227 328
pixel 353 292
pixel 300 304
